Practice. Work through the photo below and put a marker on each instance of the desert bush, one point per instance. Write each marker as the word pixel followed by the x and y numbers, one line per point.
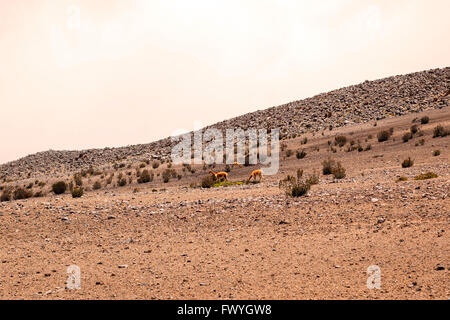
pixel 295 187
pixel 21 193
pixel 436 153
pixel 340 140
pixel 338 171
pixel 289 153
pixel 440 131
pixel 167 174
pixel 313 179
pixel 414 128
pixel 97 185
pixel 300 154
pixel 424 120
pixel 426 176
pixel 38 194
pixel 327 166
pixel 6 195
pixel 59 187
pixel 121 182
pixel 300 189
pixel 350 148
pixel 407 163
pixel 208 181
pixel 383 136
pixel 77 192
pixel 155 164
pixel 421 142
pixel 78 179
pixel 145 176
pixel 407 136
pixel 402 178
pixel 142 165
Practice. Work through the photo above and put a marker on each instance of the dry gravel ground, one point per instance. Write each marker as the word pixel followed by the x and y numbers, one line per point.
pixel 248 242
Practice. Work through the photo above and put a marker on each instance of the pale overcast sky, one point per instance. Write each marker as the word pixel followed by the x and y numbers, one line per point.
pixel 78 74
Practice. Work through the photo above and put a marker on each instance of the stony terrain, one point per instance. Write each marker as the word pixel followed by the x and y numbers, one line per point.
pixel 175 240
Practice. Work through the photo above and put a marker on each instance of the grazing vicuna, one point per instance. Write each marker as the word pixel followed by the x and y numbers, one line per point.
pixel 237 164
pixel 256 173
pixel 219 175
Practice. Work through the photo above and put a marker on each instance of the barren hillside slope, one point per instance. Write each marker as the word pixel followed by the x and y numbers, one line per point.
pixel 371 100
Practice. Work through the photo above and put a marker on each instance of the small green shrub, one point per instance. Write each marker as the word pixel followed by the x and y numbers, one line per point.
pixel 227 184
pixel 426 176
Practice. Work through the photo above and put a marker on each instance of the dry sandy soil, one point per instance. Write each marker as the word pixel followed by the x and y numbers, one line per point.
pixel 250 241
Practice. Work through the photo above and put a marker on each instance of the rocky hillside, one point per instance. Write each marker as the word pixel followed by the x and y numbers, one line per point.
pixel 368 101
